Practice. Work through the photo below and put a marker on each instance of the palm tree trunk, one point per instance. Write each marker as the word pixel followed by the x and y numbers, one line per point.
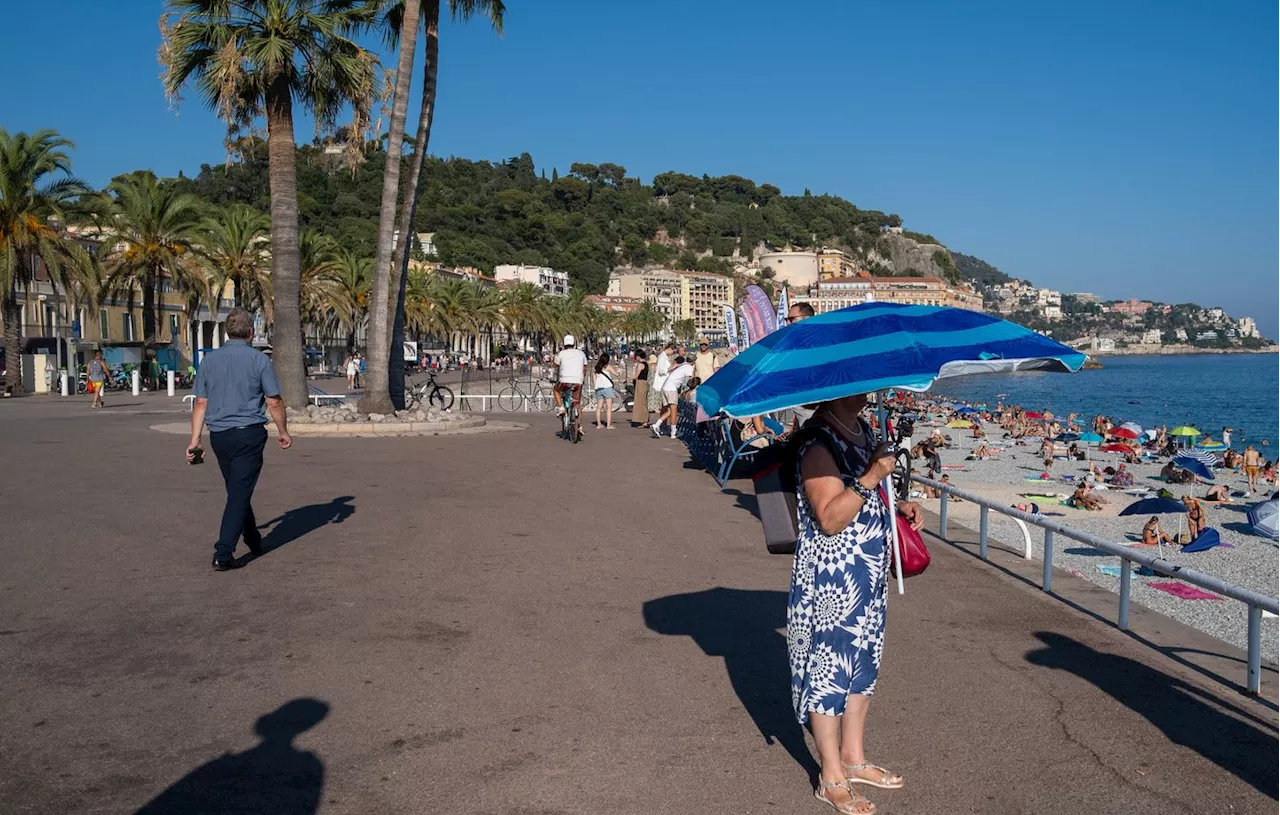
pixel 377 398
pixel 149 285
pixel 409 193
pixel 286 335
pixel 12 344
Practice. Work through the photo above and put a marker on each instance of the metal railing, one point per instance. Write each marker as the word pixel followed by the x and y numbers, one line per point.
pixel 1254 602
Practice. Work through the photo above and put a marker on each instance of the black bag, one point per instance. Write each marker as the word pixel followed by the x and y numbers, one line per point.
pixel 776 486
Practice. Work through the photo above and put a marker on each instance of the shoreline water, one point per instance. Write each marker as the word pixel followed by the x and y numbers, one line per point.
pixel 1180 351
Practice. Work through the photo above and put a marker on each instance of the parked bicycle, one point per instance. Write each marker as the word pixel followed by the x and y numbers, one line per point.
pixel 514 397
pixel 431 392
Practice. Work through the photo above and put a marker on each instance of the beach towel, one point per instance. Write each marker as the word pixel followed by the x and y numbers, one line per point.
pixel 1183 591
pixel 1114 571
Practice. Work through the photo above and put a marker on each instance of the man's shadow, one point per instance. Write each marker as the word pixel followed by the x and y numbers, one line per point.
pixel 304 520
pixel 1185 714
pixel 271 777
pixel 742 626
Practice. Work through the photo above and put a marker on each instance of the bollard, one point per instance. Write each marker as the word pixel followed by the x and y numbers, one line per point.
pixel 133 377
pixel 1046 577
pixel 1126 577
pixel 942 515
pixel 62 381
pixel 170 377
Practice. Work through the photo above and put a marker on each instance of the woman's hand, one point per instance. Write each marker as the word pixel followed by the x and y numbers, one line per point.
pixel 882 463
pixel 913 513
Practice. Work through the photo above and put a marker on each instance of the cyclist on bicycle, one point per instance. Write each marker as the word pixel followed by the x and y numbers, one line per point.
pixel 572 363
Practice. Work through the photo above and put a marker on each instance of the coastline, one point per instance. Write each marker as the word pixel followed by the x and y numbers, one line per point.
pixel 1177 351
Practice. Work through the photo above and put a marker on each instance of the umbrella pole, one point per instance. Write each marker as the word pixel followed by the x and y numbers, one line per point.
pixel 888 491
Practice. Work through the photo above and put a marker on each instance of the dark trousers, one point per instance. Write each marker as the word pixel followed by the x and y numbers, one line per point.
pixel 239 453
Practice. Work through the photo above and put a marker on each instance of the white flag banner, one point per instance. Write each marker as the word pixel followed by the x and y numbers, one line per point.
pixel 783 307
pixel 731 328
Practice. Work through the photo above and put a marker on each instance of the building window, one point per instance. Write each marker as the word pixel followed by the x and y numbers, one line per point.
pixel 104 325
pixel 126 323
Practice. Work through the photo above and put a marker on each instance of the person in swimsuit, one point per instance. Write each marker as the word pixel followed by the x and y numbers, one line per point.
pixel 1219 494
pixel 1195 516
pixel 1252 459
pixel 1153 535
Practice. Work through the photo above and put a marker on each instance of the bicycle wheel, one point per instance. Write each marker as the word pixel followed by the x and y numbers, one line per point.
pixel 575 432
pixel 565 420
pixel 441 397
pixel 542 400
pixel 510 399
pixel 902 475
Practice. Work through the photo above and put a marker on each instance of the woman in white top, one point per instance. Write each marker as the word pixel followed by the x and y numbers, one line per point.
pixel 353 368
pixel 605 391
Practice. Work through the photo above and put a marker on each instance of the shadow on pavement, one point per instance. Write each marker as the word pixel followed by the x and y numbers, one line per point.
pixel 1185 714
pixel 742 626
pixel 304 520
pixel 271 777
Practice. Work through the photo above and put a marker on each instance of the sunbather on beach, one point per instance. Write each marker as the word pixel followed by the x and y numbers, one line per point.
pixel 1195 516
pixel 1085 498
pixel 1123 478
pixel 1172 475
pixel 982 452
pixel 1220 494
pixel 1153 535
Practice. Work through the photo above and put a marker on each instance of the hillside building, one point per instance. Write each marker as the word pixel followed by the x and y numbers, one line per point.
pixel 551 281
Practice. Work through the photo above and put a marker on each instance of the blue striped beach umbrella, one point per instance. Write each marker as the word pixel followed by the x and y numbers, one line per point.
pixel 1204 456
pixel 873 347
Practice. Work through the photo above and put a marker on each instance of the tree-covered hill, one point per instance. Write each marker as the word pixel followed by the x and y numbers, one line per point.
pixel 587 222
pixel 977 269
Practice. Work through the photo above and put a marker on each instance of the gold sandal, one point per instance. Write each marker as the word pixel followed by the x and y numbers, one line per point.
pixel 886 781
pixel 856 805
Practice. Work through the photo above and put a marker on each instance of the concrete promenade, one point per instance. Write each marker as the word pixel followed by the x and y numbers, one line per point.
pixel 507 623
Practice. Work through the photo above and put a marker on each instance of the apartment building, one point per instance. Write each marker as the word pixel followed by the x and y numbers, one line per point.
pixel 840 292
pixel 679 295
pixel 551 281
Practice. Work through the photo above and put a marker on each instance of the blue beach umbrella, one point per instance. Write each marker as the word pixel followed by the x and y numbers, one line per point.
pixel 1204 456
pixel 1192 465
pixel 872 347
pixel 1066 437
pixel 1263 519
pixel 875 347
pixel 1157 506
pixel 1090 437
pixel 967 410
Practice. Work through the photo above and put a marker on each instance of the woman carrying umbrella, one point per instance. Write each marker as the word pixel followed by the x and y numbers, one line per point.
pixel 836 609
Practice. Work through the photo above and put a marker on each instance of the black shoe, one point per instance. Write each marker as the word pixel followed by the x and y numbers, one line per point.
pixel 226 565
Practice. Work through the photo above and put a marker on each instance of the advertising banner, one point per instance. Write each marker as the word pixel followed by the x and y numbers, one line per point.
pixel 758 311
pixel 731 328
pixel 783 307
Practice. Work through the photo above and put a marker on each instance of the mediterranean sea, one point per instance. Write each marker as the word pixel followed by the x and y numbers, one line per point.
pixel 1207 391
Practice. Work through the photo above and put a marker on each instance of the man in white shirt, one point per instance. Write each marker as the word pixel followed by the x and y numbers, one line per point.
pixel 671 385
pixel 572 364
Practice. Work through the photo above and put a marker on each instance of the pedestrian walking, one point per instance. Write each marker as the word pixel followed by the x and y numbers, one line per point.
pixel 605 391
pixel 353 368
pixel 836 608
pixel 640 408
pixel 235 389
pixel 97 378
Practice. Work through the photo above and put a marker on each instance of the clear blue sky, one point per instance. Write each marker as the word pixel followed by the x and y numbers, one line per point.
pixel 1127 149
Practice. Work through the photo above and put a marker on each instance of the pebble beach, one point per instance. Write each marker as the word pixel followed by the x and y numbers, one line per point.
pixel 1244 558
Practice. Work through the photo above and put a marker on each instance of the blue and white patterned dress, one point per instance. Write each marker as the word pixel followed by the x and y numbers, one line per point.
pixel 835 613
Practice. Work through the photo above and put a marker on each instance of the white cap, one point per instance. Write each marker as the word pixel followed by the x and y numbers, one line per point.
pixel 568 339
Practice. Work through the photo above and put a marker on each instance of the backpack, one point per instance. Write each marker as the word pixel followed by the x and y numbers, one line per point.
pixel 776 486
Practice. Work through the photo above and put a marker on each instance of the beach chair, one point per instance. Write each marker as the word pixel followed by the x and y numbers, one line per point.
pixel 736 445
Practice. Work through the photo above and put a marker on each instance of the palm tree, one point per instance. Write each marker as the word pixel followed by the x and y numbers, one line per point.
pixel 234 245
pixel 460 10
pixel 33 199
pixel 525 311
pixel 422 313
pixel 685 330
pixel 351 277
pixel 252 58
pixel 147 225
pixel 377 396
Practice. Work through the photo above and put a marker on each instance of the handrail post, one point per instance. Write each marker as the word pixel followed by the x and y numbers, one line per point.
pixel 942 514
pixel 1254 680
pixel 1126 578
pixel 982 532
pixel 1046 576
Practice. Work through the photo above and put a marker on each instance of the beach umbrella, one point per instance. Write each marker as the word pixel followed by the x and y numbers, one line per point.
pixel 1124 433
pixel 1184 431
pixel 1033 415
pixel 1158 506
pixel 1203 456
pixel 1090 437
pixel 1263 519
pixel 1191 465
pixel 873 347
pixel 1067 437
pixel 966 410
pixel 1213 445
pixel 1116 448
pixel 1133 426
pixel 959 424
pixel 1207 539
pixel 1154 506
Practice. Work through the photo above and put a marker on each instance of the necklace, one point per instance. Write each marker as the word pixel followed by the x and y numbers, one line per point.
pixel 853 436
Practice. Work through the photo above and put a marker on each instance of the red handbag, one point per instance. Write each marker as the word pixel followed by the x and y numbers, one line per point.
pixel 915 556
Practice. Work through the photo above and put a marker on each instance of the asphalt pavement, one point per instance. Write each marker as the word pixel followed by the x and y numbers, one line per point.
pixel 509 623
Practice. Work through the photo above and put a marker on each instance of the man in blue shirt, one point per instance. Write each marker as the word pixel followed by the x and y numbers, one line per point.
pixel 235 389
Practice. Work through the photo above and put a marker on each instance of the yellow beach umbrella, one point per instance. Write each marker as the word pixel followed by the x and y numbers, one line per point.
pixel 958 424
